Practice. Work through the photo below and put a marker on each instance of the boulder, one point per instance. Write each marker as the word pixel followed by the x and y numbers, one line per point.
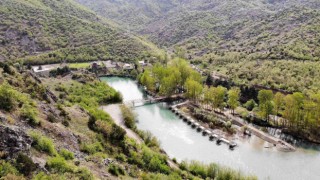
pixel 13 140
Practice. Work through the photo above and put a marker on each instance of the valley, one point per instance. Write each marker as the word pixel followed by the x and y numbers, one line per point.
pixel 159 89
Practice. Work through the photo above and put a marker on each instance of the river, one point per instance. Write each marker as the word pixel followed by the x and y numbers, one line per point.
pixel 184 143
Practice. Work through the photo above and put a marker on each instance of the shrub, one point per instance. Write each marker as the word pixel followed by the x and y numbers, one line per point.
pixel 249 105
pixel 117 134
pixel 30 113
pixel 84 174
pixel 116 170
pixel 67 155
pixel 128 116
pixel 58 165
pixel 7 168
pixel 91 148
pixel 44 176
pixel 43 143
pixel 25 164
pixel 149 139
pixel 8 97
pixel 121 157
pixel 51 118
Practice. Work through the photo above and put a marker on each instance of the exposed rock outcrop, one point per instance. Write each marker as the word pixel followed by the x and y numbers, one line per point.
pixel 13 140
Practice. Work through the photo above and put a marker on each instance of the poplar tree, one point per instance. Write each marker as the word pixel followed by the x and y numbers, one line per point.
pixel 233 98
pixel 265 98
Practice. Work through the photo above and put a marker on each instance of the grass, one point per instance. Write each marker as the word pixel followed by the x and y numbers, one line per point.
pixel 43 143
pixel 79 65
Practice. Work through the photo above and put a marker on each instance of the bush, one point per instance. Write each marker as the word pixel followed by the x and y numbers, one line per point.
pixel 43 143
pixel 58 165
pixel 116 170
pixel 25 164
pixel 121 157
pixel 30 113
pixel 91 148
pixel 51 118
pixel 212 171
pixel 117 134
pixel 128 116
pixel 67 155
pixel 249 105
pixel 84 174
pixel 44 176
pixel 149 139
pixel 7 168
pixel 8 97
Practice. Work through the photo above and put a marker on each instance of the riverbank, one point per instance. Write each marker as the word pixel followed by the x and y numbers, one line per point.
pixel 115 112
pixel 182 142
pixel 227 116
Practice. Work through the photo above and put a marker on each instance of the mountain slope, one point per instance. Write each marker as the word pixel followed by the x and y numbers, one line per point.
pixel 206 26
pixel 220 35
pixel 59 30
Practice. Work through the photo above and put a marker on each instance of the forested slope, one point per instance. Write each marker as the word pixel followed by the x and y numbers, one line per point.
pixel 41 31
pixel 222 35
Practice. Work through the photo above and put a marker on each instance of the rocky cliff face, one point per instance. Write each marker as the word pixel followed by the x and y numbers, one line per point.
pixel 13 140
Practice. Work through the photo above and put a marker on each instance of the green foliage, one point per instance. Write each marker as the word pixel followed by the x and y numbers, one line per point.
pixel 116 170
pixel 265 98
pixel 84 174
pixel 147 80
pixel 43 143
pixel 215 96
pixel 25 164
pixel 128 116
pixel 62 35
pixel 58 165
pixel 212 171
pixel 44 176
pixel 149 139
pixel 30 113
pixel 193 89
pixel 249 105
pixel 67 155
pixel 159 176
pixel 233 98
pixel 91 148
pixel 149 160
pixel 7 168
pixel 169 79
pixel 8 97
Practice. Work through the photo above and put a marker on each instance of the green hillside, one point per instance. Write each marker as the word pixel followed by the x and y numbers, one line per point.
pixel 221 35
pixel 41 31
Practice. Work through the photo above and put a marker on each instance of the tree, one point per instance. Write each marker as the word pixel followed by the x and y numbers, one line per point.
pixel 147 80
pixel 193 89
pixel 233 98
pixel 217 95
pixel 278 102
pixel 265 103
pixel 168 86
pixel 289 113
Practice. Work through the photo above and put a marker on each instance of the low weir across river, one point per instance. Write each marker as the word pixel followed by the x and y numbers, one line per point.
pixel 252 155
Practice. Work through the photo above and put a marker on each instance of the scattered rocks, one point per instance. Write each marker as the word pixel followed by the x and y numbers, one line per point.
pixel 3 118
pixel 13 140
pixel 107 161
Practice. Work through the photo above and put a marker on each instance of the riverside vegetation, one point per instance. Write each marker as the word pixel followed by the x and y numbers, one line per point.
pixel 73 138
pixel 57 123
pixel 297 113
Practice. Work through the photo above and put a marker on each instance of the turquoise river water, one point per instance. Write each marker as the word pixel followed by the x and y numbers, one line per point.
pixel 184 143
